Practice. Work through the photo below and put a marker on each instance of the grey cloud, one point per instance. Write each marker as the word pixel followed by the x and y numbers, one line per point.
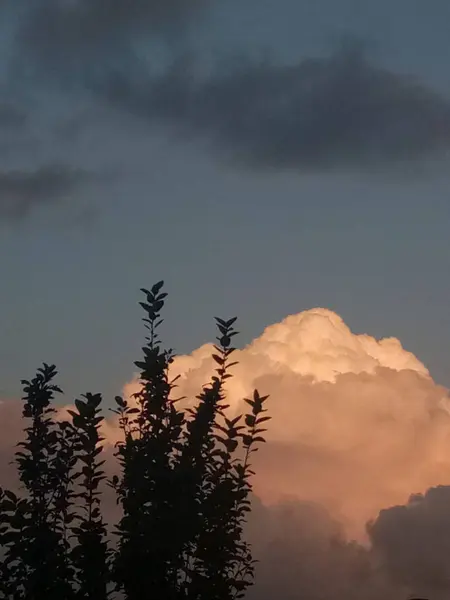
pixel 413 541
pixel 21 191
pixel 335 112
pixel 304 554
pixel 338 112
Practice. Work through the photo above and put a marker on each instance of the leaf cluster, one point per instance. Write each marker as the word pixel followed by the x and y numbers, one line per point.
pixel 183 487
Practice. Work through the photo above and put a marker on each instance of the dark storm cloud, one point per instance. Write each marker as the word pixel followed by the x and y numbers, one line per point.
pixel 336 112
pixel 21 191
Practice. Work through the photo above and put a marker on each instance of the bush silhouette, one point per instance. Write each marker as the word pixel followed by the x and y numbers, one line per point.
pixel 183 489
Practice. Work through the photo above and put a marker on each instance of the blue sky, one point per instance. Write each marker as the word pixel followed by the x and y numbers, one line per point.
pixel 158 199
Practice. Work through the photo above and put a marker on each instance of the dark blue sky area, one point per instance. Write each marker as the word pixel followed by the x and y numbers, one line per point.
pixel 246 152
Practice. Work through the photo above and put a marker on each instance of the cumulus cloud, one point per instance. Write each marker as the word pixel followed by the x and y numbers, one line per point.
pixel 358 426
pixel 21 191
pixel 358 423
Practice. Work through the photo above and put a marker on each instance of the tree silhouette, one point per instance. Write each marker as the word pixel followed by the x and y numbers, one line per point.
pixel 90 554
pixel 34 539
pixel 183 488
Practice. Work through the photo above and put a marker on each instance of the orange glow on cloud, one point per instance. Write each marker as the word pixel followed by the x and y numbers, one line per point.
pixel 358 424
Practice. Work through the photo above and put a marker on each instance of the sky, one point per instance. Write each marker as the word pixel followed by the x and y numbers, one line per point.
pixel 285 162
pixel 261 159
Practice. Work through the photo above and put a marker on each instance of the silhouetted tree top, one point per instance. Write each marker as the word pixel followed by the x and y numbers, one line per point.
pixel 183 487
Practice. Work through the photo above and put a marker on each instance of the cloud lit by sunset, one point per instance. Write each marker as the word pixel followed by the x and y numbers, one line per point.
pixel 358 426
pixel 358 423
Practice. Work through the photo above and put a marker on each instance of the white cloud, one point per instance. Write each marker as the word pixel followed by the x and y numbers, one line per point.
pixel 358 423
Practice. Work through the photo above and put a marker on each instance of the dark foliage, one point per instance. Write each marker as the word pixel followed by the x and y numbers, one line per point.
pixel 183 488
pixel 90 554
pixel 36 564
